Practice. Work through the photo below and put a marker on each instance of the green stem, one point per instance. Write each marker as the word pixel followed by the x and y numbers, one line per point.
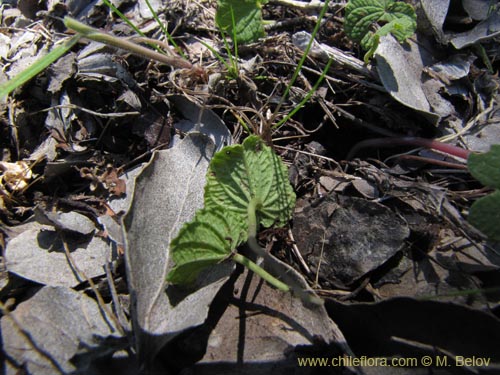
pixel 261 272
pixel 99 36
pixel 301 61
pixel 293 286
pixel 37 67
pixel 253 205
pixel 307 97
pixel 164 29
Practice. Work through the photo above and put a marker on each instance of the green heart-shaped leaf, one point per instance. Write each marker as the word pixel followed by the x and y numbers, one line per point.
pixel 252 171
pixel 363 16
pixel 208 239
pixel 238 177
pixel 244 15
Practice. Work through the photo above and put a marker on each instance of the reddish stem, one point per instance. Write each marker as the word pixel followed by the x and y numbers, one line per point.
pixel 410 141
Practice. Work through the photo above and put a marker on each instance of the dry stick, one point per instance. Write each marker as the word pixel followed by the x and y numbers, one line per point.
pixel 114 295
pixel 102 37
pixel 82 275
pixel 74 106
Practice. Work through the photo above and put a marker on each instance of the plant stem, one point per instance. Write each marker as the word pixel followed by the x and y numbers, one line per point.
pixel 293 285
pixel 307 97
pixel 102 37
pixel 261 272
pixel 37 67
pixel 259 251
pixel 301 61
pixel 410 141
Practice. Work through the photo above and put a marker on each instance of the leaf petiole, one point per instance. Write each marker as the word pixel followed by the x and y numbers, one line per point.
pixel 261 272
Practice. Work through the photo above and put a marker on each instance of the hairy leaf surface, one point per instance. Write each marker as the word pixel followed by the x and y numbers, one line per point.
pixel 244 15
pixel 239 177
pixel 207 240
pixel 485 212
pixel 251 171
pixel 362 19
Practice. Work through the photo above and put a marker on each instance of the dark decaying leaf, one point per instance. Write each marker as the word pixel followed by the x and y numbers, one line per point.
pixel 345 238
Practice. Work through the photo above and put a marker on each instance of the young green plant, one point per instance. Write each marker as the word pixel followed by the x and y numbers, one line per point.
pixel 364 17
pixel 247 187
pixel 241 18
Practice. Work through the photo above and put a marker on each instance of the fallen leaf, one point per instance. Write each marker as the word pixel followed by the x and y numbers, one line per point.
pixel 37 254
pixel 344 238
pixel 50 328
pixel 167 194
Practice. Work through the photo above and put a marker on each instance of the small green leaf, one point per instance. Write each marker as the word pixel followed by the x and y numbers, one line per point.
pixel 240 173
pixel 363 16
pixel 485 215
pixel 242 180
pixel 208 239
pixel 486 167
pixel 245 15
pixel 485 212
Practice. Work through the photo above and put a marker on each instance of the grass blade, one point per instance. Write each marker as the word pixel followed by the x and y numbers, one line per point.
pixel 37 67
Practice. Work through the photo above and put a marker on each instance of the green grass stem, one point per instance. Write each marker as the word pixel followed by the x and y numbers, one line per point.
pixel 39 65
pixel 164 30
pixel 301 63
pixel 308 95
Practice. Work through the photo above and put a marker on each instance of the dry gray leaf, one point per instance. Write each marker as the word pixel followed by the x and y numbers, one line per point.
pixel 263 327
pixel 50 328
pixel 487 29
pixel 167 194
pixel 202 120
pixel 435 11
pixel 37 254
pixel 69 221
pixel 400 70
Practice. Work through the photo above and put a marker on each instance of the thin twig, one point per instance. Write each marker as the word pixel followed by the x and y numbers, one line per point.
pixel 83 276
pixel 102 37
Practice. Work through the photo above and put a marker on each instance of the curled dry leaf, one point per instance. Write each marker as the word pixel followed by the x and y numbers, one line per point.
pixel 108 180
pixel 14 176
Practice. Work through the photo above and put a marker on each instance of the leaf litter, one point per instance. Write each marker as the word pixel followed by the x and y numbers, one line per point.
pixel 99 173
